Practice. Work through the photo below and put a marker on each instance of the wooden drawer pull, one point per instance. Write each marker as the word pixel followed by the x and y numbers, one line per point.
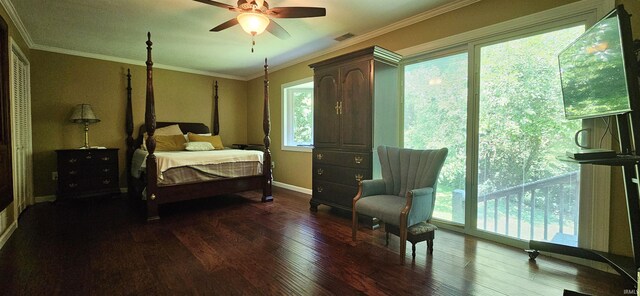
pixel 106 158
pixel 73 185
pixel 88 156
pixel 106 181
pixel 73 160
pixel 106 170
pixel 319 189
pixel 358 159
pixel 359 177
pixel 319 156
pixel 320 172
pixel 73 173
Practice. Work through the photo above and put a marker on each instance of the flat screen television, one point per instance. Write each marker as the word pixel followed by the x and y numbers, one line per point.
pixel 598 70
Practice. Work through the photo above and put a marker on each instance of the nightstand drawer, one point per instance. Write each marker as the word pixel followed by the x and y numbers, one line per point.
pixel 104 182
pixel 72 186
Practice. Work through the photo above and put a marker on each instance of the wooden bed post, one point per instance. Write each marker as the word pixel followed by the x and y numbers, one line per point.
pixel 150 126
pixel 216 120
pixel 129 129
pixel 266 126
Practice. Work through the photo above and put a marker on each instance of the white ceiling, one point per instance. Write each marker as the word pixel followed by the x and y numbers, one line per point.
pixel 116 30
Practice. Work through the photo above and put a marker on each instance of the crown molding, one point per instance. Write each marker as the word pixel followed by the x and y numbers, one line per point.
pixel 15 18
pixel 375 33
pixel 598 7
pixel 132 61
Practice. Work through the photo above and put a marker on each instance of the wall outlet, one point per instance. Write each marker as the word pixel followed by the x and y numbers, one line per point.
pixel 273 165
pixel 54 176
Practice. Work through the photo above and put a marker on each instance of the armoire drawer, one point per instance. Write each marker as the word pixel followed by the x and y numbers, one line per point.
pixel 348 159
pixel 342 175
pixel 334 194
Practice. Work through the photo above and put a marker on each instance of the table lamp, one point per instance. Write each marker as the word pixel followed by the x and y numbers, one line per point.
pixel 82 113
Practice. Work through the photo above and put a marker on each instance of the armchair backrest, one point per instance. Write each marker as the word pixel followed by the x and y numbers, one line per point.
pixel 407 169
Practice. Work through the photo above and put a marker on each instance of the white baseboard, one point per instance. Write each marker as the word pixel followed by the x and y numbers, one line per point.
pixel 7 234
pixel 292 187
pixel 45 198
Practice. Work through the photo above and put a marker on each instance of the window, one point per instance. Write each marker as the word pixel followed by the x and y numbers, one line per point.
pixel 297 110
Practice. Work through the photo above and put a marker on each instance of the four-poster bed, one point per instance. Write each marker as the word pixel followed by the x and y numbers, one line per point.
pixel 150 186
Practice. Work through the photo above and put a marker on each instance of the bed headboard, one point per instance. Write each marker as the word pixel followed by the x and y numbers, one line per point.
pixel 185 127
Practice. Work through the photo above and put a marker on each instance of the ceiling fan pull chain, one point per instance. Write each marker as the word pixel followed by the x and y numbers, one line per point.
pixel 253 42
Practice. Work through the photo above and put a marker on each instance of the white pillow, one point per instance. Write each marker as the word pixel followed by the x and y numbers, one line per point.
pixel 198 146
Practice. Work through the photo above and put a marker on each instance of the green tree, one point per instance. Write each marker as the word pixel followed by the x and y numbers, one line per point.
pixel 303 116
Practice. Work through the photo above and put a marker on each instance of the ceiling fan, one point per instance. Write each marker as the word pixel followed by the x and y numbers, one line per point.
pixel 254 16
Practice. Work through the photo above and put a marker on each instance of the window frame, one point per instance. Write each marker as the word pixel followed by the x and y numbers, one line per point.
pixel 287 116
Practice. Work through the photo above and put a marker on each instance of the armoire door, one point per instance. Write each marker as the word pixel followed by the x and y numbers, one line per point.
pixel 326 117
pixel 356 106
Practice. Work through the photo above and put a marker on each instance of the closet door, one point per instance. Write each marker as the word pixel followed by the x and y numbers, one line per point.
pixel 21 129
pixel 6 183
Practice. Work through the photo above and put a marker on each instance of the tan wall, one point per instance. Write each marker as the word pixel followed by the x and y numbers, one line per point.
pixel 295 168
pixel 60 81
pixel 15 35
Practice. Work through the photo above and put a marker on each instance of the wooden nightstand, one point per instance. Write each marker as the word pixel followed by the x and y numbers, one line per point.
pixel 87 172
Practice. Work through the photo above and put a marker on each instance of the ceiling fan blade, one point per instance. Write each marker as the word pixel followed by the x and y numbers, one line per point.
pixel 277 30
pixel 296 12
pixel 218 4
pixel 230 23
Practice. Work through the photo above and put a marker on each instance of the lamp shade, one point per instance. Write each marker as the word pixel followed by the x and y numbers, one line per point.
pixel 253 23
pixel 82 113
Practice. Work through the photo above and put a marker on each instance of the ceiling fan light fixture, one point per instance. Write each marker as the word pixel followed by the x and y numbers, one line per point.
pixel 258 3
pixel 253 23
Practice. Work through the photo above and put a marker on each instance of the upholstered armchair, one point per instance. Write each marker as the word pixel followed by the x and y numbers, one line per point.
pixel 406 194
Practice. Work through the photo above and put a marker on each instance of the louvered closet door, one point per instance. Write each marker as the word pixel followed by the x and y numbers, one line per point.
pixel 21 130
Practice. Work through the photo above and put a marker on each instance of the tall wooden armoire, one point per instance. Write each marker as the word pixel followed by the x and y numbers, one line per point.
pixel 356 108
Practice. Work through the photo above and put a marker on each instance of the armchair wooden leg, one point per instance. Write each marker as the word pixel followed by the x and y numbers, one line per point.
pixel 430 246
pixel 413 250
pixel 403 243
pixel 354 227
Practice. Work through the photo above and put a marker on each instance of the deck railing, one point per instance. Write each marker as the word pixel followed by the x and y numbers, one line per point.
pixel 553 200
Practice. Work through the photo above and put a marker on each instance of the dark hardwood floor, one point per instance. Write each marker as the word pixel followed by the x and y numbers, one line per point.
pixel 234 245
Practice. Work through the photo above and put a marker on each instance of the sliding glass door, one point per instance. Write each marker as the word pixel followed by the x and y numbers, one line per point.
pixel 497 106
pixel 435 117
pixel 523 190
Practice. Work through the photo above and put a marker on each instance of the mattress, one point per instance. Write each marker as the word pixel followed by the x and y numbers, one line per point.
pixel 196 166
